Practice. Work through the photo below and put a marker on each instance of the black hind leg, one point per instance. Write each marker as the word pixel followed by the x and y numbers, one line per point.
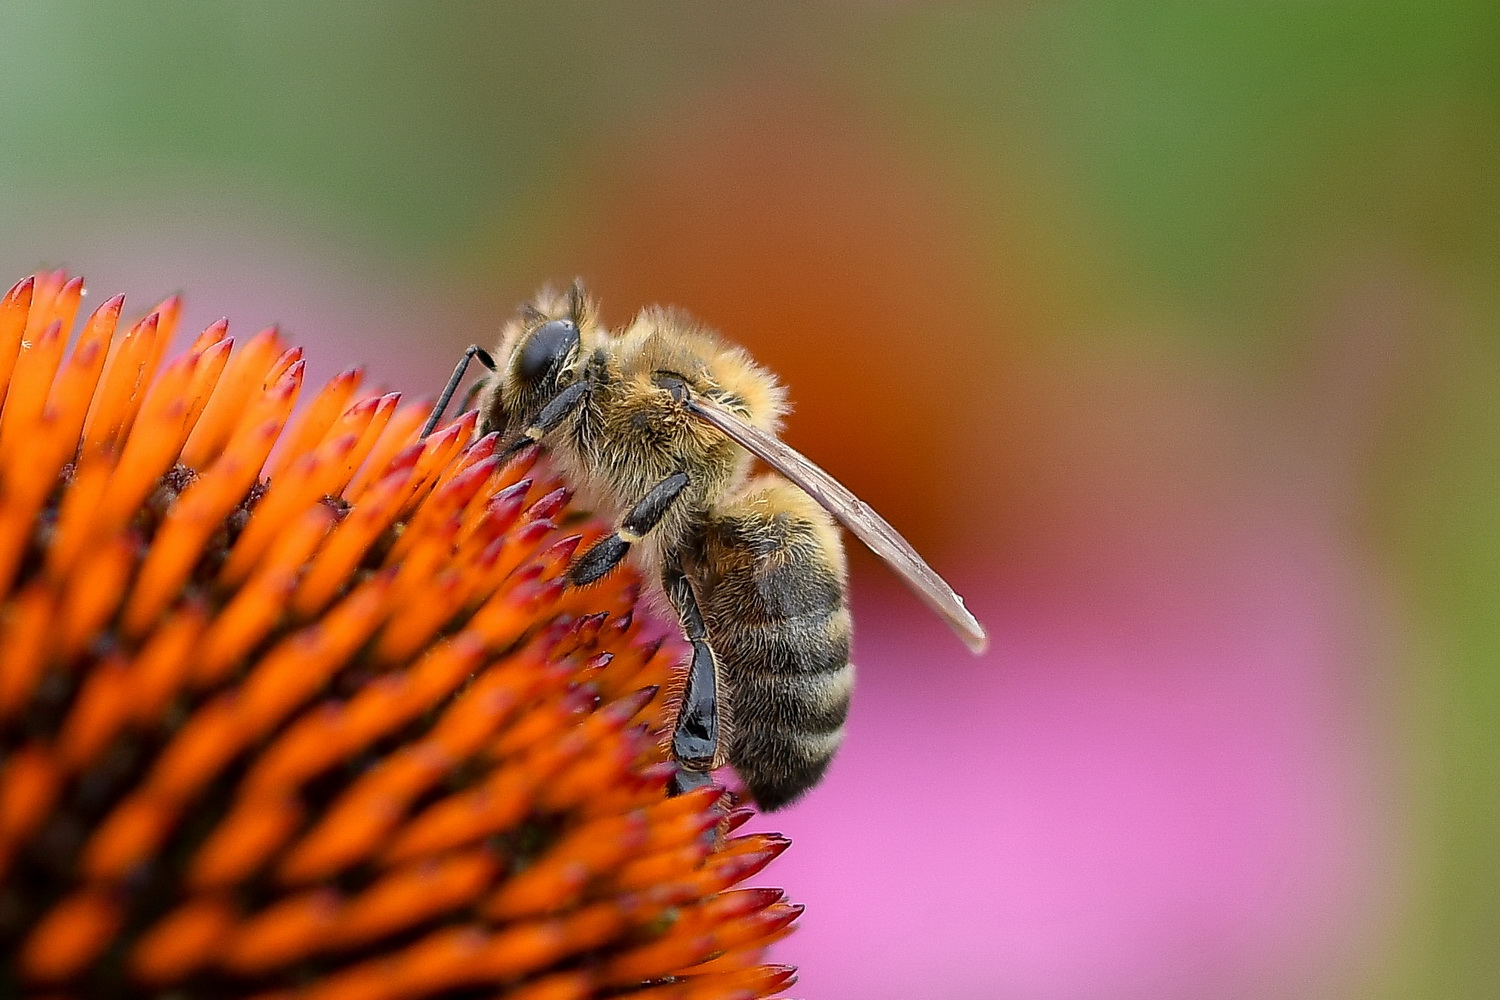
pixel 695 738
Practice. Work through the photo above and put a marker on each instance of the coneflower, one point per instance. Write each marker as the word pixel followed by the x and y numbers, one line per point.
pixel 299 706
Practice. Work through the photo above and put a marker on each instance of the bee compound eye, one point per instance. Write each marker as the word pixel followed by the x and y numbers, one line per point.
pixel 545 349
pixel 673 383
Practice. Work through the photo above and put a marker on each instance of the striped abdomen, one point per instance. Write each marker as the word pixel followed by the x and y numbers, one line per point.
pixel 771 582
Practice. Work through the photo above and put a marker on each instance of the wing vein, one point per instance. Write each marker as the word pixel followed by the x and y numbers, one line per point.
pixel 856 515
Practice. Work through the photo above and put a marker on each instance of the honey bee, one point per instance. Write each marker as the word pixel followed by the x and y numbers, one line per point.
pixel 655 425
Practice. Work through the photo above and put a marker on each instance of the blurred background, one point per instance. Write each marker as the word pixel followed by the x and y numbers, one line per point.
pixel 1167 331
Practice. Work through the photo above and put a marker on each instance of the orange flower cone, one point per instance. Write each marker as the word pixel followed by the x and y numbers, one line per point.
pixel 298 705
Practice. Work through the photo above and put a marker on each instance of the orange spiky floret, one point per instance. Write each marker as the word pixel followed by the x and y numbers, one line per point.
pixel 301 706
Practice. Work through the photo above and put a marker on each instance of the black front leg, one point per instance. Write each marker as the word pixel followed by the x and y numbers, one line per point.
pixel 695 738
pixel 558 409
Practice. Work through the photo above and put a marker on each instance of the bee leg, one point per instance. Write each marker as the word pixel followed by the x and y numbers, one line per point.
pixel 551 417
pixel 605 554
pixel 695 738
pixel 474 351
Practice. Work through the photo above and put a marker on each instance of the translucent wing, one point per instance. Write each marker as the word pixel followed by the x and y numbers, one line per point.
pixel 853 513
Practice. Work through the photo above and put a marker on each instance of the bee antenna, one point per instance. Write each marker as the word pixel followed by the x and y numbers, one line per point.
pixel 474 351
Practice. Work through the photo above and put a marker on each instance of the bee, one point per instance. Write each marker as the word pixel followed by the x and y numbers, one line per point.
pixel 655 425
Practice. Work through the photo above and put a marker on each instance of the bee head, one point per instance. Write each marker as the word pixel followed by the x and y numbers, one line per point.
pixel 538 357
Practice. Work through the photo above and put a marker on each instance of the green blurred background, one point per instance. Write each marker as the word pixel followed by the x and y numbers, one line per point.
pixel 990 249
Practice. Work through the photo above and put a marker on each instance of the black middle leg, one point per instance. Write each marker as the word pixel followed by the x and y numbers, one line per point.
pixel 605 554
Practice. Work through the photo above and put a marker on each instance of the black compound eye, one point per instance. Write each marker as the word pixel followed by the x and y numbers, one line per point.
pixel 673 383
pixel 545 349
